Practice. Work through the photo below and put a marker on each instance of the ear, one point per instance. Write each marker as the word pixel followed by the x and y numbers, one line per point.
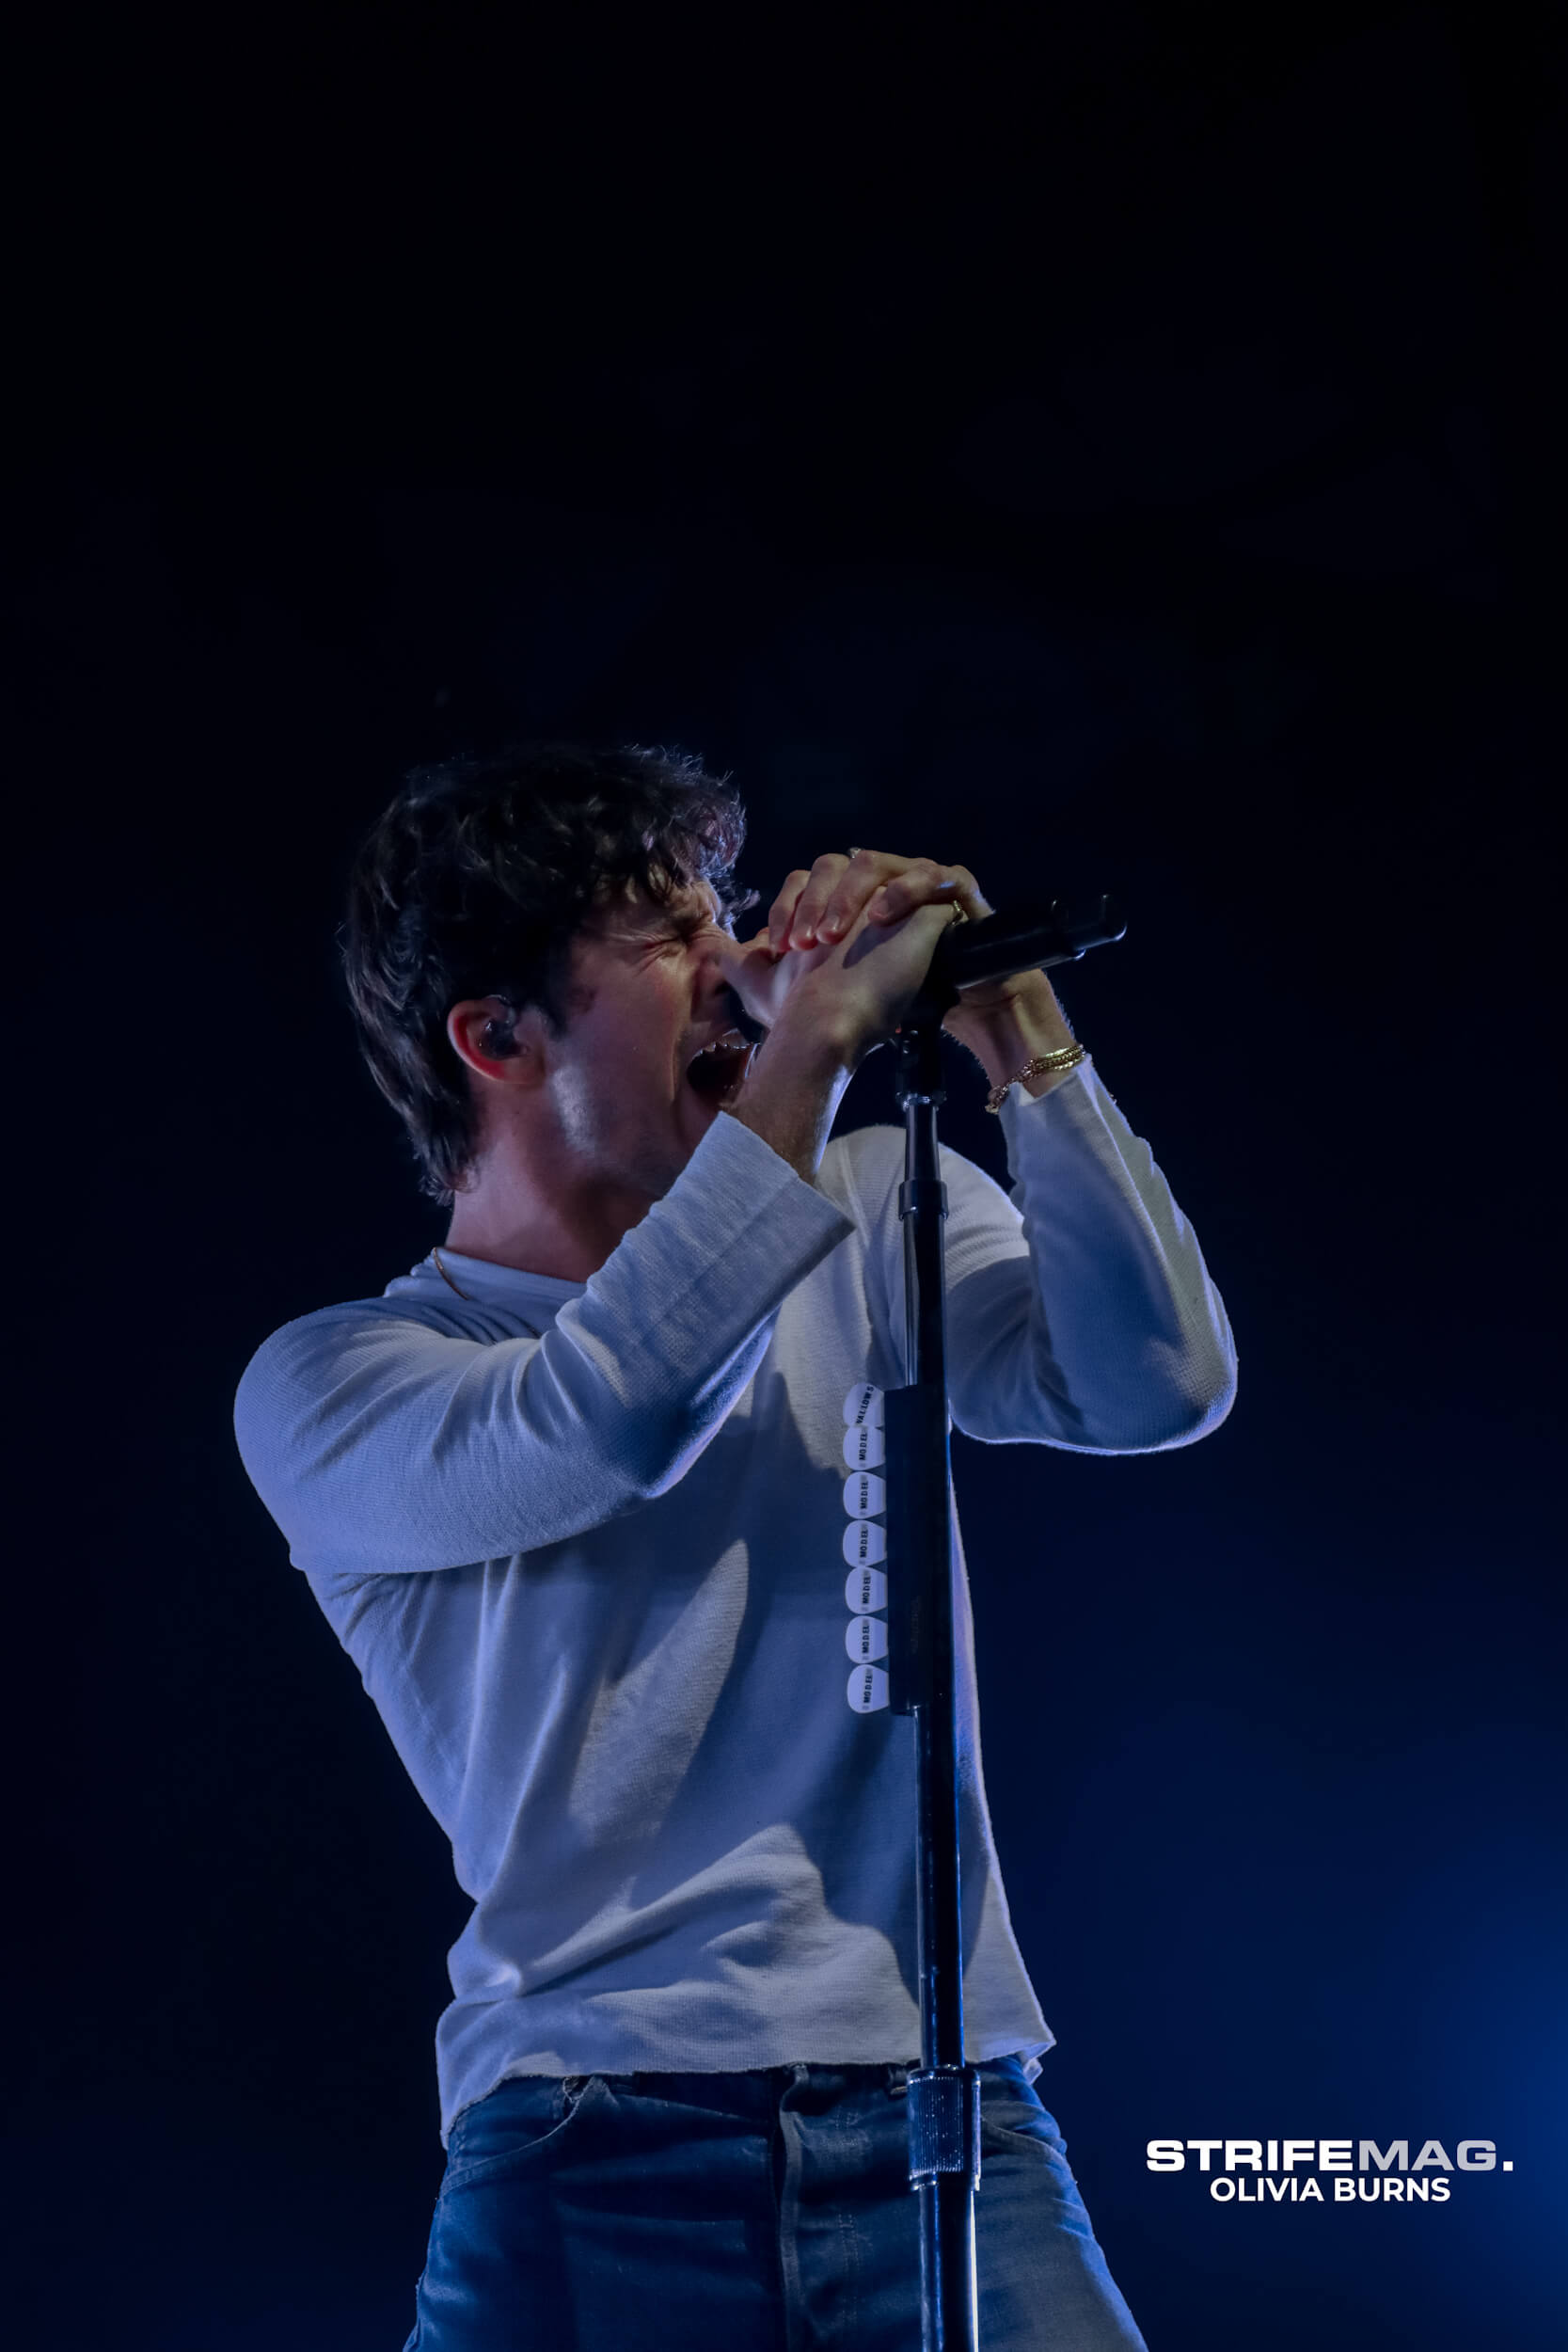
pixel 496 1043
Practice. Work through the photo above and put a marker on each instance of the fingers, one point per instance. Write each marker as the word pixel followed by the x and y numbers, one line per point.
pixel 823 904
pixel 824 887
pixel 921 882
pixel 835 884
pixel 781 915
pixel 862 875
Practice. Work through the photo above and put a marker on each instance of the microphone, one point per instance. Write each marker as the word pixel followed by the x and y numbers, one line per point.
pixel 1017 939
pixel 1025 938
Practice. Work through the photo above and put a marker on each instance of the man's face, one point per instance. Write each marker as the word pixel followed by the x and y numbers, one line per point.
pixel 634 1088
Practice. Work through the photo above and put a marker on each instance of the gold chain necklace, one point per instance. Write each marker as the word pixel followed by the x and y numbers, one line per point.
pixel 446 1277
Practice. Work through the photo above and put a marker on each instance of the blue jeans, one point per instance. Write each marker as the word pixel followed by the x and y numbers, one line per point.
pixel 767 2212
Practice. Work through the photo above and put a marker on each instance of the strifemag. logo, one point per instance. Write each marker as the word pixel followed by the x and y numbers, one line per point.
pixel 1326 2171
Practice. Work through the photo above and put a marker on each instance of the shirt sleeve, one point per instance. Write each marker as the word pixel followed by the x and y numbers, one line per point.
pixel 1080 1312
pixel 378 1443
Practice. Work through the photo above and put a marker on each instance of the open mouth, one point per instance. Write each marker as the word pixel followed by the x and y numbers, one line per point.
pixel 717 1072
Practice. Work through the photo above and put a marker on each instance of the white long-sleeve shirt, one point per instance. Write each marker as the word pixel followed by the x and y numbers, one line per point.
pixel 583 1541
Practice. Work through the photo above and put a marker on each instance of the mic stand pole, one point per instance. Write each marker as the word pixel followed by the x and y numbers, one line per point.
pixel 944 2095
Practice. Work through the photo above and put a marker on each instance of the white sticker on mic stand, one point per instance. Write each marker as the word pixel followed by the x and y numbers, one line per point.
pixel 865 1495
pixel 864 1588
pixel 864 1405
pixel 868 1690
pixel 865 1638
pixel 864 1543
pixel 864 1447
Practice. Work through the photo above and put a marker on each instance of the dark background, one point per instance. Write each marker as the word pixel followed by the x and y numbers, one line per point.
pixel 1117 448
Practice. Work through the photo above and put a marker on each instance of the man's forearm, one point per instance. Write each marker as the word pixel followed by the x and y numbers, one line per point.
pixel 798 1076
pixel 794 1086
pixel 1009 1025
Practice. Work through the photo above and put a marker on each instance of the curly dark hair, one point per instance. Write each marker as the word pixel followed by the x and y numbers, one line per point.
pixel 475 881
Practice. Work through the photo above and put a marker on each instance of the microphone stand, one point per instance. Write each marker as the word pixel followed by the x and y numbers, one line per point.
pixel 944 2094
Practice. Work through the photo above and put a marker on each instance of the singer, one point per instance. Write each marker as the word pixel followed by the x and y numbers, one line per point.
pixel 570 1495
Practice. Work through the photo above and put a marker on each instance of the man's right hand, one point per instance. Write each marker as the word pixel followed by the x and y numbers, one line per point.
pixel 826 1004
pixel 848 942
pixel 849 994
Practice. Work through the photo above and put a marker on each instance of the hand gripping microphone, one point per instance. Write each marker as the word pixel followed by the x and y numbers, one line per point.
pixel 1016 939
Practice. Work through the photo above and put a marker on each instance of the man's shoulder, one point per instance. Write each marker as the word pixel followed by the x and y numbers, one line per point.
pixel 299 1352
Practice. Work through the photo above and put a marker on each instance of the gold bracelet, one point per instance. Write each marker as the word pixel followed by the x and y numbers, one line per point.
pixel 1043 1066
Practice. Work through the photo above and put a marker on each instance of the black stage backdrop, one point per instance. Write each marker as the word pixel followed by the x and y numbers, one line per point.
pixel 1119 449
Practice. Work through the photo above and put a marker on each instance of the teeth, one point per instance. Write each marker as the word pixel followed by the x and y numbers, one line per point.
pixel 732 1050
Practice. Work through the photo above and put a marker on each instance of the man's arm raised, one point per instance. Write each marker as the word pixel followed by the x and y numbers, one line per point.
pixel 828 985
pixel 1090 1319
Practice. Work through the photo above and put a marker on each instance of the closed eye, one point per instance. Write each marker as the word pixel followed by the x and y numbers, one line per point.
pixel 678 929
pixel 688 927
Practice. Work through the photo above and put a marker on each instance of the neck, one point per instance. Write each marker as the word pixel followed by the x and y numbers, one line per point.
pixel 511 1215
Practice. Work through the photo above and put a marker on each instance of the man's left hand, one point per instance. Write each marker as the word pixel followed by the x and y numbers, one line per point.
pixel 823 904
pixel 1001 1023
